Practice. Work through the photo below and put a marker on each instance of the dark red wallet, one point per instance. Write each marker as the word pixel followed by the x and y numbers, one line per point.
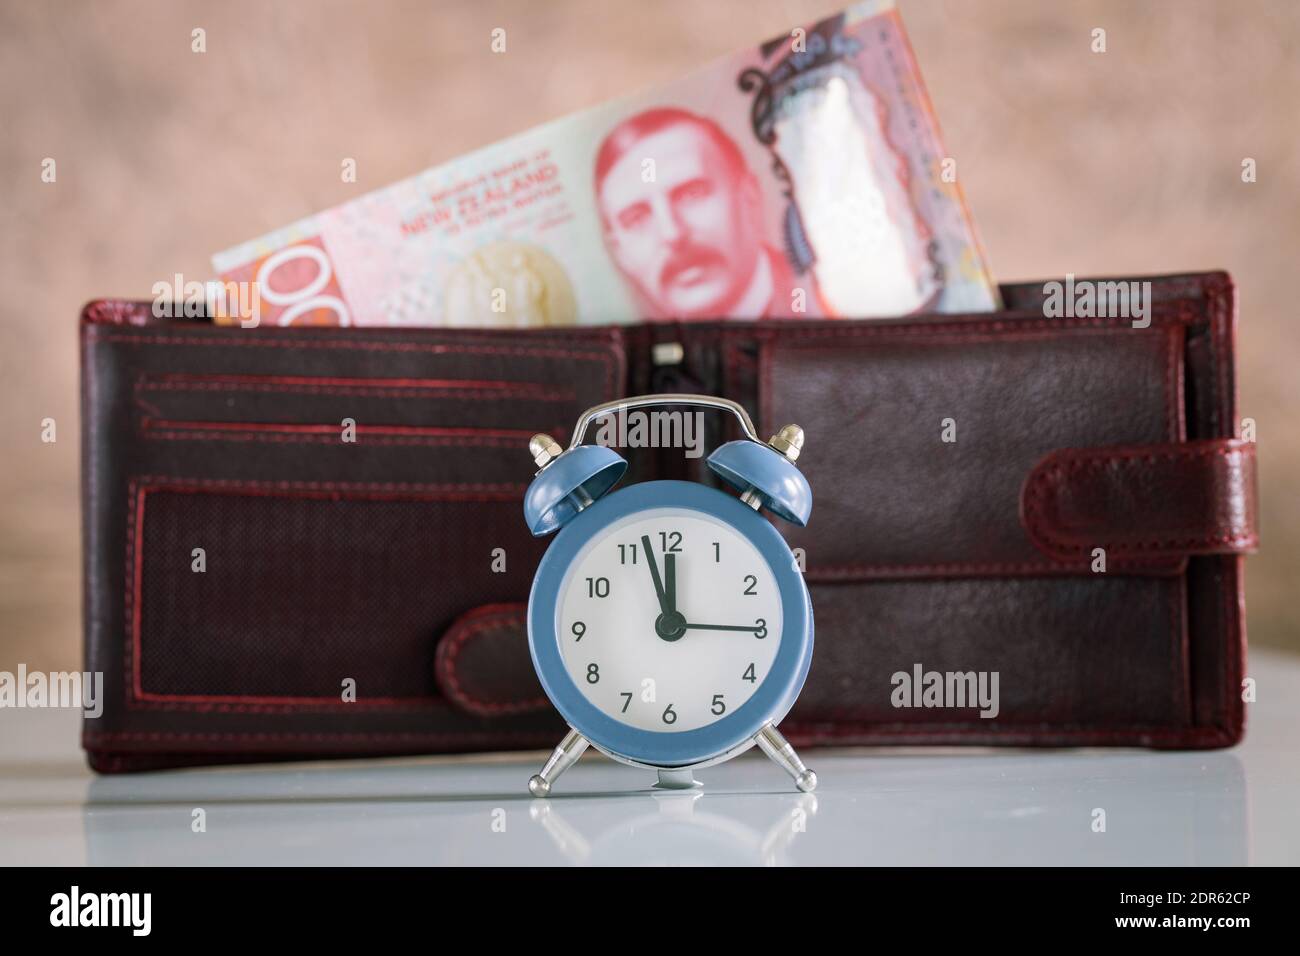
pixel 245 566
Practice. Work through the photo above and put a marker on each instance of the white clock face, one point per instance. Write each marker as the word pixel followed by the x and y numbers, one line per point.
pixel 669 619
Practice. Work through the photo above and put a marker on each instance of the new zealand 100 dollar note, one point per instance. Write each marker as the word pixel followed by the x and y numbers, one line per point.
pixel 802 178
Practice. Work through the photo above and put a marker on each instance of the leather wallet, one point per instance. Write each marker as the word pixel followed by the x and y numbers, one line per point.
pixel 1060 501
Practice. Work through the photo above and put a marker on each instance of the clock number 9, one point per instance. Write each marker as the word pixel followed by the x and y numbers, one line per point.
pixel 579 629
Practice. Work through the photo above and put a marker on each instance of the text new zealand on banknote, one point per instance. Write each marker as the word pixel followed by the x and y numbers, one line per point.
pixel 802 178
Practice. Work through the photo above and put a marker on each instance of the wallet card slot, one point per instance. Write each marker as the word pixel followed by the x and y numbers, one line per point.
pixel 305 586
pixel 287 452
pixel 361 407
pixel 335 433
pixel 375 401
pixel 590 364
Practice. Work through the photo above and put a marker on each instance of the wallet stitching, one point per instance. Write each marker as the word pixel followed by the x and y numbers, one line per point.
pixel 1161 320
pixel 1216 323
pixel 346 388
pixel 101 313
pixel 1063 567
pixel 1227 613
pixel 138 698
pixel 1175 381
pixel 792 728
pixel 1167 314
pixel 488 736
pixel 604 358
pixel 1178 664
pixel 997 726
pixel 328 434
pixel 449 650
pixel 93 518
pixel 131 583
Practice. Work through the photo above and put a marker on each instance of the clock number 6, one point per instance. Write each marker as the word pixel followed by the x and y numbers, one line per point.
pixel 670 715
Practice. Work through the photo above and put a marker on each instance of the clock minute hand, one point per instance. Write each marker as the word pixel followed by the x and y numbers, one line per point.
pixel 664 606
pixel 723 627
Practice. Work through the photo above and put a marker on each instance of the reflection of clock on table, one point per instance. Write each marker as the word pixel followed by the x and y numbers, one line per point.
pixel 669 621
pixel 678 834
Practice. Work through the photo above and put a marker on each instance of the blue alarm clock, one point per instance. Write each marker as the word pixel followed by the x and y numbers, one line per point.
pixel 669 621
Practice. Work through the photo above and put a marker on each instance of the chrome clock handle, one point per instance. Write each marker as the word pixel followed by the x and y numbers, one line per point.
pixel 667 398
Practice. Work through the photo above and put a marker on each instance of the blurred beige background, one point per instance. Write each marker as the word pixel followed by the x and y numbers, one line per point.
pixel 1123 162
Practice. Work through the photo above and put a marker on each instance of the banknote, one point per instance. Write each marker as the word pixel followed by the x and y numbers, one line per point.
pixel 804 177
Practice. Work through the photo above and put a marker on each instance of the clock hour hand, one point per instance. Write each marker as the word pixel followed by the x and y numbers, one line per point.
pixel 664 606
pixel 670 583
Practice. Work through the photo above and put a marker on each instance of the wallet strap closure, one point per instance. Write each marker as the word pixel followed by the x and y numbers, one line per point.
pixel 482 665
pixel 1144 503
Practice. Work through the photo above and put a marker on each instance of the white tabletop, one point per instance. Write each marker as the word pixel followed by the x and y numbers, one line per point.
pixel 873 806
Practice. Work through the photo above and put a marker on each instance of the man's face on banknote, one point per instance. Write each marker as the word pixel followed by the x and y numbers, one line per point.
pixel 686 229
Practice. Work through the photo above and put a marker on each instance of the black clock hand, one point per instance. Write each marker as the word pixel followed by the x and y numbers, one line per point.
pixel 670 583
pixel 664 606
pixel 724 627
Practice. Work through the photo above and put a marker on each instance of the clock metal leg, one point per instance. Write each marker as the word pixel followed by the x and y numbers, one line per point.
pixel 561 759
pixel 771 742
